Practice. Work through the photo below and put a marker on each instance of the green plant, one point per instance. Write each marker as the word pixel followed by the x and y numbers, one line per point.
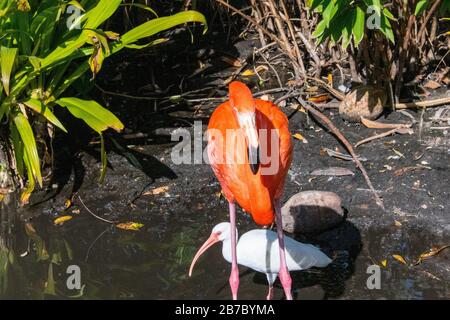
pixel 41 57
pixel 390 38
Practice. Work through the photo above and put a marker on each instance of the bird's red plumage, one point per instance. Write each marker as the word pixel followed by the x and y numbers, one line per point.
pixel 255 193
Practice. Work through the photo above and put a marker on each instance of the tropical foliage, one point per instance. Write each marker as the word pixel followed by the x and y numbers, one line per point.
pixel 45 47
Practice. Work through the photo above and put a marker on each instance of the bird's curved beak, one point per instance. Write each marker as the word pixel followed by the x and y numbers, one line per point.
pixel 213 238
pixel 247 122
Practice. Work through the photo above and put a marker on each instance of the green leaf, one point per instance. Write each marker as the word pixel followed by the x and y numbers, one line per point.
pixel 141 6
pixel 358 26
pixel 99 14
pixel 7 59
pixel 320 29
pixel 18 148
pixel 97 117
pixel 44 110
pixel 386 28
pixel 27 135
pixel 420 7
pixel 154 26
pixel 63 51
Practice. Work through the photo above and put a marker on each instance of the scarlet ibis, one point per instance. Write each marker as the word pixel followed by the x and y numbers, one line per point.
pixel 250 151
pixel 259 250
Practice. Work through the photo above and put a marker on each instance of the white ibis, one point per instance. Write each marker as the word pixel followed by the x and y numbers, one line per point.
pixel 259 250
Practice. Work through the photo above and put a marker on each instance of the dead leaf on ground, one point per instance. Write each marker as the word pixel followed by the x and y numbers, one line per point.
pixel 333 171
pixel 340 155
pixel 68 203
pixel 320 98
pixel 231 61
pixel 384 263
pixel 298 136
pixel 250 72
pixel 156 191
pixel 404 170
pixel 132 226
pixel 399 258
pixel 380 125
pixel 61 220
pixel 430 253
pixel 431 84
pixel 397 223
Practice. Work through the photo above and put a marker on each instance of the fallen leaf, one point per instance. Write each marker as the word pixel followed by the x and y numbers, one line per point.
pixel 380 125
pixel 320 98
pixel 231 61
pixel 333 171
pixel 384 263
pixel 68 203
pixel 399 258
pixel 401 155
pixel 61 220
pixel 397 223
pixel 431 84
pixel 156 191
pixel 430 253
pixel 133 226
pixel 340 155
pixel 330 79
pixel 298 136
pixel 250 72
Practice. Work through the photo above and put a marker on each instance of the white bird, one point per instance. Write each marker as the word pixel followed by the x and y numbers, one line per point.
pixel 259 250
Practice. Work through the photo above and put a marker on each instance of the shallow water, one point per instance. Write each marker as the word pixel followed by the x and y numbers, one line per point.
pixel 152 264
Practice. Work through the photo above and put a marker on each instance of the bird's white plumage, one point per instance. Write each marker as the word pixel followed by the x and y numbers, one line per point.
pixel 259 250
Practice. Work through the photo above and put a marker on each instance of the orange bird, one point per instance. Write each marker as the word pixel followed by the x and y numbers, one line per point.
pixel 250 151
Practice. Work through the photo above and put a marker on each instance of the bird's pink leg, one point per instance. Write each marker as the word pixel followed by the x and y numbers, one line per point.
pixel 285 277
pixel 270 294
pixel 234 276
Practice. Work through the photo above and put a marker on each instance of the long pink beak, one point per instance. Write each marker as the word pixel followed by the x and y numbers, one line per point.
pixel 213 238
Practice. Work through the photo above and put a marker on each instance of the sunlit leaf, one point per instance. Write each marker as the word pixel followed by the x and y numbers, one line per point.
pixel 7 59
pixel 26 133
pixel 39 107
pixel 399 258
pixel 133 226
pixel 61 220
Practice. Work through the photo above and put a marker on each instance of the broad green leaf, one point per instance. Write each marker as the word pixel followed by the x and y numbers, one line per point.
pixel 63 51
pixel 420 7
pixel 7 59
pixel 76 4
pixel 320 29
pixel 97 117
pixel 358 27
pixel 154 26
pixel 39 107
pixel 99 14
pixel 25 196
pixel 27 135
pixel 386 28
pixel 388 14
pixel 327 13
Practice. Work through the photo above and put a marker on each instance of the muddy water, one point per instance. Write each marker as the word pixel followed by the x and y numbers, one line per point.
pixel 152 263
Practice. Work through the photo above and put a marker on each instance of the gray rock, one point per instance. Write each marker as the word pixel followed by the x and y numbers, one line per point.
pixel 312 211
